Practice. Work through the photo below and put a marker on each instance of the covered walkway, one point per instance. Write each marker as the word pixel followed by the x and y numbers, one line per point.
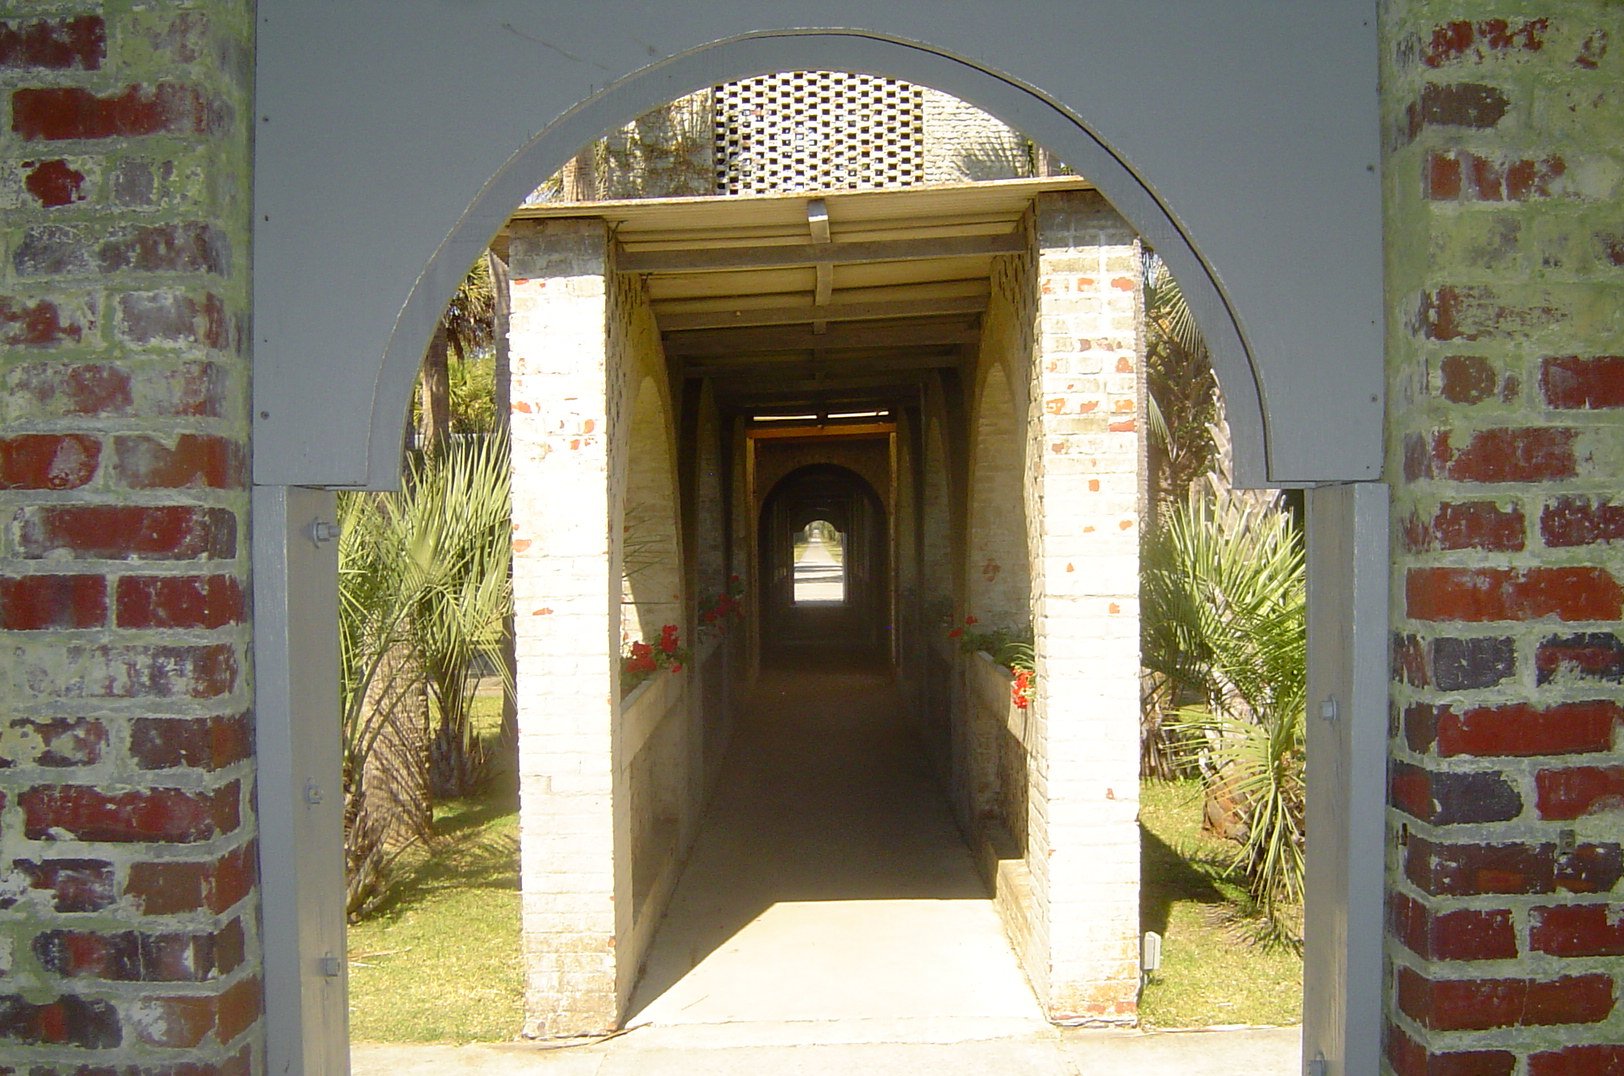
pixel 829 883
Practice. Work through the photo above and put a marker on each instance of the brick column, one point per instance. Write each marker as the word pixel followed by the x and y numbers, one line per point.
pixel 1083 507
pixel 128 919
pixel 1505 443
pixel 568 624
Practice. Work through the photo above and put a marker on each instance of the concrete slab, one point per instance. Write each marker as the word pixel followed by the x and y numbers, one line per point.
pixel 718 1051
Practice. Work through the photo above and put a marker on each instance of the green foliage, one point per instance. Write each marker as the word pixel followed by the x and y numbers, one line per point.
pixel 423 590
pixel 473 394
pixel 1182 400
pixel 1223 592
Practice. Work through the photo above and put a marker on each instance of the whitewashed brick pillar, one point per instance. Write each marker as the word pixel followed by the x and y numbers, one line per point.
pixel 567 624
pixel 1085 426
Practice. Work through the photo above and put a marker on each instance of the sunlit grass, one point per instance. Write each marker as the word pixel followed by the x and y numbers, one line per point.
pixel 1212 973
pixel 439 961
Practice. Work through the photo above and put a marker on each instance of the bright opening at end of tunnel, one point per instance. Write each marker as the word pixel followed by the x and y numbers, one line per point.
pixel 820 559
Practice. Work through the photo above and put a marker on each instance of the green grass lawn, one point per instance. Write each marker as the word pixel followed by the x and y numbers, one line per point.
pixel 1211 972
pixel 439 962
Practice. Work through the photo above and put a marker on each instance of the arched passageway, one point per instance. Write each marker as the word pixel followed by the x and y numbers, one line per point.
pixel 824 554
pixel 573 433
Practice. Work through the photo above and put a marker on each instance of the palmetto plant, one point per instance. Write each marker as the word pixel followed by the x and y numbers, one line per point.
pixel 423 590
pixel 1223 588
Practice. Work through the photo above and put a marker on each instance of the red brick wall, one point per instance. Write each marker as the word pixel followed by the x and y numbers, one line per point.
pixel 128 918
pixel 1505 249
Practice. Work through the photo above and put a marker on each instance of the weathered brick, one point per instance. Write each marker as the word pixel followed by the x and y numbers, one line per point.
pixel 1512 729
pixel 169 815
pixel 207 743
pixel 1446 798
pixel 1456 104
pixel 1479 1004
pixel 139 956
pixel 172 318
pixel 1530 454
pixel 1410 1058
pixel 1467 379
pixel 70 1020
pixel 75 885
pixel 168 887
pixel 1577 930
pixel 1483 595
pixel 1468 41
pixel 198 460
pixel 60 390
pixel 1410 660
pixel 48 461
pixel 179 601
pixel 1577 521
pixel 1469 934
pixel 1466 664
pixel 239 1009
pixel 1469 869
pixel 1586 656
pixel 1589 1060
pixel 60 44
pixel 1590 868
pixel 54 183
pixel 175 1023
pixel 52 602
pixel 131 670
pixel 116 532
pixel 1575 382
pixel 1452 312
pixel 194 247
pixel 54 742
pixel 59 113
pixel 1468 525
pixel 37 324
pixel 1579 790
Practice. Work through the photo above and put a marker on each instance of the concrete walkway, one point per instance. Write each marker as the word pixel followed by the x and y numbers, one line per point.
pixel 657 1052
pixel 830 920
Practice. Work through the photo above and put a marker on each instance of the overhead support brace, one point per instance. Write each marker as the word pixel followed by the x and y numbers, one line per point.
pixel 739 341
pixel 712 259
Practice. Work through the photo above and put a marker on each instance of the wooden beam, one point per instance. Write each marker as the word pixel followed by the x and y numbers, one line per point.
pixel 803 367
pixel 803 313
pixel 706 259
pixel 728 304
pixel 736 341
pixel 817 219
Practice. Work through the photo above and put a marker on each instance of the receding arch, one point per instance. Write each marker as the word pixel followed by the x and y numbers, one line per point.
pixel 999 582
pixel 286 454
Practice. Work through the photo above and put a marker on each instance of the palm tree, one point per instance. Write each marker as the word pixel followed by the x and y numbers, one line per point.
pixel 1223 592
pixel 467 324
pixel 423 593
pixel 1183 403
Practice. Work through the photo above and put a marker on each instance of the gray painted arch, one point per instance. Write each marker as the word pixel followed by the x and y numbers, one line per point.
pixel 1240 139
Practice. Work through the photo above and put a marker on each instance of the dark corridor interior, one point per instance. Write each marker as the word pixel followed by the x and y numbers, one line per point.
pixel 825 526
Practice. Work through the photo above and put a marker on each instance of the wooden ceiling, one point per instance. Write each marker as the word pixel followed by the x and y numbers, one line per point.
pixel 817 301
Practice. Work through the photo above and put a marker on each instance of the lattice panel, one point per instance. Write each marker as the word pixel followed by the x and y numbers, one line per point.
pixel 818 130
